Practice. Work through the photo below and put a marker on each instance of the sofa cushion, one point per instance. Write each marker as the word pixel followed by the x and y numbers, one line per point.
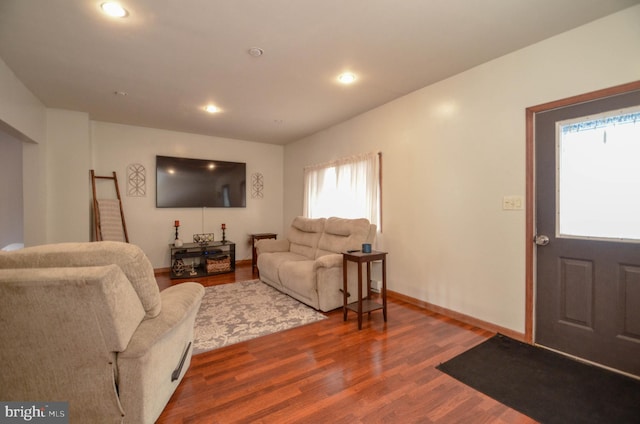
pixel 269 265
pixel 342 234
pixel 304 235
pixel 130 258
pixel 299 281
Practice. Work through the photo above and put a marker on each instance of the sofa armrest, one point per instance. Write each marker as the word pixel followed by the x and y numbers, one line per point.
pixel 333 260
pixel 272 245
pixel 146 368
pixel 177 303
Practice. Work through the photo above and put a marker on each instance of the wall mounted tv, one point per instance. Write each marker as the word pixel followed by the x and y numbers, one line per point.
pixel 200 183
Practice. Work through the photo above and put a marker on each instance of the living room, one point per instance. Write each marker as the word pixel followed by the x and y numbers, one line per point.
pixel 451 152
pixel 451 243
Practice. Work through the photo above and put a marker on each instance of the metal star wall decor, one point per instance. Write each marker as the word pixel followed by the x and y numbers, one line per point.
pixel 257 186
pixel 136 180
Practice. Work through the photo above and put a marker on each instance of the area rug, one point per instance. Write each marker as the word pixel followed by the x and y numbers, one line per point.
pixel 232 313
pixel 546 386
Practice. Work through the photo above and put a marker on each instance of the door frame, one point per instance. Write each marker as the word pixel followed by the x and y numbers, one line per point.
pixel 530 218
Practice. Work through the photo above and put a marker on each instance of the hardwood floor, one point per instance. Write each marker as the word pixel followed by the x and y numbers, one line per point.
pixel 329 372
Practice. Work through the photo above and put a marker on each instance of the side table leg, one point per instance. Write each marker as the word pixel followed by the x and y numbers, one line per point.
pixel 344 288
pixel 359 296
pixel 254 256
pixel 369 283
pixel 384 288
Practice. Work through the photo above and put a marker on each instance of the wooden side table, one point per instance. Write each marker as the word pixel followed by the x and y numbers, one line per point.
pixel 364 305
pixel 254 255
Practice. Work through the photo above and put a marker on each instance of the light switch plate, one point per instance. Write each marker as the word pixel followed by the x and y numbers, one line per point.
pixel 513 203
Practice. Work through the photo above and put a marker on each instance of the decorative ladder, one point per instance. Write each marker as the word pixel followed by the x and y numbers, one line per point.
pixel 108 216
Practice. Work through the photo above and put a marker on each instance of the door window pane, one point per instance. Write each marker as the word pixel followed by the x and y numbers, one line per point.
pixel 598 187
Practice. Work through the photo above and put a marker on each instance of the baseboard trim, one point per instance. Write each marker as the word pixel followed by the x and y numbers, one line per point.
pixel 466 319
pixel 159 271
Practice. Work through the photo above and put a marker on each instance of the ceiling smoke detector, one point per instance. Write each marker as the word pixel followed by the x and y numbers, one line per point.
pixel 256 52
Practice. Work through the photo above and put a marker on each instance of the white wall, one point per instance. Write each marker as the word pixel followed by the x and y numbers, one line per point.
pixel 11 213
pixel 23 117
pixel 117 146
pixel 68 162
pixel 452 150
pixel 21 113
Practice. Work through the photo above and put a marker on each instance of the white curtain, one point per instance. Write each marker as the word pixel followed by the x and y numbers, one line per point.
pixel 346 188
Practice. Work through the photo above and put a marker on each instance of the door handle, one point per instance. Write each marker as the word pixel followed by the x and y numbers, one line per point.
pixel 541 240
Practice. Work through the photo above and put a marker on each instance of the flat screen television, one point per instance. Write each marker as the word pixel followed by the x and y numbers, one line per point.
pixel 198 183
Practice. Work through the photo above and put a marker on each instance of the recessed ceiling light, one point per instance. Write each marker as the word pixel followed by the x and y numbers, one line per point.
pixel 346 78
pixel 114 9
pixel 212 108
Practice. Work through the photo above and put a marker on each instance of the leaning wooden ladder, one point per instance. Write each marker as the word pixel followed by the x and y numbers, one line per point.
pixel 108 216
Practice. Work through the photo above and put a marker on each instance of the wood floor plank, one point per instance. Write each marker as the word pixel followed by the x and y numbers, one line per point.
pixel 329 372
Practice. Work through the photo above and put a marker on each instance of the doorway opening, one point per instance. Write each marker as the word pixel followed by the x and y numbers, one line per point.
pixel 583 227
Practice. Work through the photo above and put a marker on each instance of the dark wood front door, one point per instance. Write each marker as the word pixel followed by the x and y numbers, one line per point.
pixel 587 279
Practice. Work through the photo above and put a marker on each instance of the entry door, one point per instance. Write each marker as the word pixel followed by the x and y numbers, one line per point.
pixel 588 237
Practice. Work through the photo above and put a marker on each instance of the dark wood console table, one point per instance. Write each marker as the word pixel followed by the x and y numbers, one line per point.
pixel 192 260
pixel 367 304
pixel 254 255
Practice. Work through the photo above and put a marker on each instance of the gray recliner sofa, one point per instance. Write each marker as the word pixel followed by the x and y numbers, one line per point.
pixel 86 323
pixel 307 264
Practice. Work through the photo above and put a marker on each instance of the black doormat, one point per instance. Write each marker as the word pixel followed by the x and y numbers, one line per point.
pixel 546 386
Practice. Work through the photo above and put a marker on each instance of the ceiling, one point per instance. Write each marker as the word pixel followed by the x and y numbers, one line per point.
pixel 171 58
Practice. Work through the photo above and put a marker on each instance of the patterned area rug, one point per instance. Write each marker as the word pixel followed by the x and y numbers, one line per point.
pixel 232 313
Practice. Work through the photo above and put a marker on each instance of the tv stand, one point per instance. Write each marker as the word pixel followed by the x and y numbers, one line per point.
pixel 193 260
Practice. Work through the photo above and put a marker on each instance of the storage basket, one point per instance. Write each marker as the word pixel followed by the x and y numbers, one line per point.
pixel 219 264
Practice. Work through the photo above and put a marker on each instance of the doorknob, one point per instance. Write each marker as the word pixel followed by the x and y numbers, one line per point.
pixel 541 240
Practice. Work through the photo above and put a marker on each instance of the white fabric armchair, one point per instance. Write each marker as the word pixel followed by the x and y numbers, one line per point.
pixel 85 323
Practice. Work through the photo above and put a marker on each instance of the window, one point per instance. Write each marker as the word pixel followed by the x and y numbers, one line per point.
pixel 346 188
pixel 599 176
